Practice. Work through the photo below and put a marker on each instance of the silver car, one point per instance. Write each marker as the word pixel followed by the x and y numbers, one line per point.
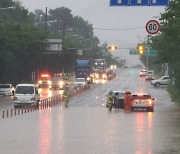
pixel 164 80
pixel 6 89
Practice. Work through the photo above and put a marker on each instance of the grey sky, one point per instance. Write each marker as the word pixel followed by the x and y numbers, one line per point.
pixel 101 15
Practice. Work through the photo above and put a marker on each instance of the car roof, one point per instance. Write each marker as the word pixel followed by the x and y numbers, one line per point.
pixel 141 94
pixel 25 84
pixel 114 91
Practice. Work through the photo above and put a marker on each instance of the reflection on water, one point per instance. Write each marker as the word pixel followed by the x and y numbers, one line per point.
pixel 45 133
pixel 143 133
pixel 49 93
pixel 61 92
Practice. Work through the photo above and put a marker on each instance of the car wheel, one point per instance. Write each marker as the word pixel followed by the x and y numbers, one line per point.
pixel 150 109
pixel 157 84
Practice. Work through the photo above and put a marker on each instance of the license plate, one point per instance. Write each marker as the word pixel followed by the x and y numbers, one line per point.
pixel 139 102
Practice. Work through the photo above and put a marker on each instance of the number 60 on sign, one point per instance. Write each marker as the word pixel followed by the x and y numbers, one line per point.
pixel 152 26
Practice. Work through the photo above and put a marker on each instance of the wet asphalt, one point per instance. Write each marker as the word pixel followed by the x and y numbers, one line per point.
pixel 86 126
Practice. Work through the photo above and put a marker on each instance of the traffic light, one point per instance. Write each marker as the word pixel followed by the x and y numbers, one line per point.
pixel 140 49
pixel 112 47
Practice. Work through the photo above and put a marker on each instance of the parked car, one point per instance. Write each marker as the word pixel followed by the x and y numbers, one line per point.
pixel 164 80
pixel 143 73
pixel 118 97
pixel 150 75
pixel 6 89
pixel 142 101
pixel 26 95
pixel 80 83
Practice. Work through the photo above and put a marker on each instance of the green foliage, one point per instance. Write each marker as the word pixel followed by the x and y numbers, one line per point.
pixel 174 92
pixel 22 41
pixel 167 44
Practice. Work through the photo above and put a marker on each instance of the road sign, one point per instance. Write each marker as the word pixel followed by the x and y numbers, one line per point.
pixel 133 52
pixel 159 2
pixel 139 2
pixel 151 52
pixel 152 26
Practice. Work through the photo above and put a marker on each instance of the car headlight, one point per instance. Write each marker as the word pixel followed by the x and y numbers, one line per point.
pixel 49 82
pixel 104 75
pixel 61 83
pixel 15 99
pixel 88 78
pixel 40 82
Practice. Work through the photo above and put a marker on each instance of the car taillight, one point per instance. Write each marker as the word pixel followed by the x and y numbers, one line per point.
pixel 150 102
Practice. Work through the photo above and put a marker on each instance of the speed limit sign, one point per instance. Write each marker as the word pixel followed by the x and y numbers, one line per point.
pixel 152 26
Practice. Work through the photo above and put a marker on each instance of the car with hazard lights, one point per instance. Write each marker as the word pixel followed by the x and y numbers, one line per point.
pixel 113 67
pixel 80 83
pixel 44 81
pixel 143 73
pixel 150 75
pixel 142 101
pixel 58 82
pixel 64 75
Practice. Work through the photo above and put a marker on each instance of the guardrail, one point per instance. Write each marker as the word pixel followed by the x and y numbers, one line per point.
pixel 44 104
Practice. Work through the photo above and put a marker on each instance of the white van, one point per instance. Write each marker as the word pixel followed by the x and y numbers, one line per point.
pixel 26 95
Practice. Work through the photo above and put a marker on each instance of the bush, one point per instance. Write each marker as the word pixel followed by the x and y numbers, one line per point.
pixel 174 92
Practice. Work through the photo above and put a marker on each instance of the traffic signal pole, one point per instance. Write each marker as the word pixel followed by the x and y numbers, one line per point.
pixel 147 57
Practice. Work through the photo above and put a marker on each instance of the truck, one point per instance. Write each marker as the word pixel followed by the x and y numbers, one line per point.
pixel 83 69
pixel 100 69
pixel 100 64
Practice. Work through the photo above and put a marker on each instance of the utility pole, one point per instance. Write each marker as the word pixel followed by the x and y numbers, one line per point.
pixel 46 20
pixel 147 57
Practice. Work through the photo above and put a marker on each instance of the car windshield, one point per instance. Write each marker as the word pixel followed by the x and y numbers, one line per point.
pixel 44 78
pixel 4 86
pixel 141 96
pixel 80 80
pixel 150 73
pixel 144 71
pixel 24 90
pixel 57 78
pixel 119 94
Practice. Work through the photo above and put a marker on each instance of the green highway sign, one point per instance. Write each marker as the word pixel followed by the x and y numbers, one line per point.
pixel 152 52
pixel 133 52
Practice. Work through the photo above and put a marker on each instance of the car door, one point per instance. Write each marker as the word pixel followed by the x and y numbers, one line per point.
pixel 165 80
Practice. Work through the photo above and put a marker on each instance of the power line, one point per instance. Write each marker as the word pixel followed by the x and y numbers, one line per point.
pixel 118 29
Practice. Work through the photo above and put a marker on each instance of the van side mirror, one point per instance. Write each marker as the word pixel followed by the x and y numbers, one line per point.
pixel 153 99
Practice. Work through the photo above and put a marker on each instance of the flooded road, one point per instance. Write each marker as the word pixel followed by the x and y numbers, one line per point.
pixel 86 126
